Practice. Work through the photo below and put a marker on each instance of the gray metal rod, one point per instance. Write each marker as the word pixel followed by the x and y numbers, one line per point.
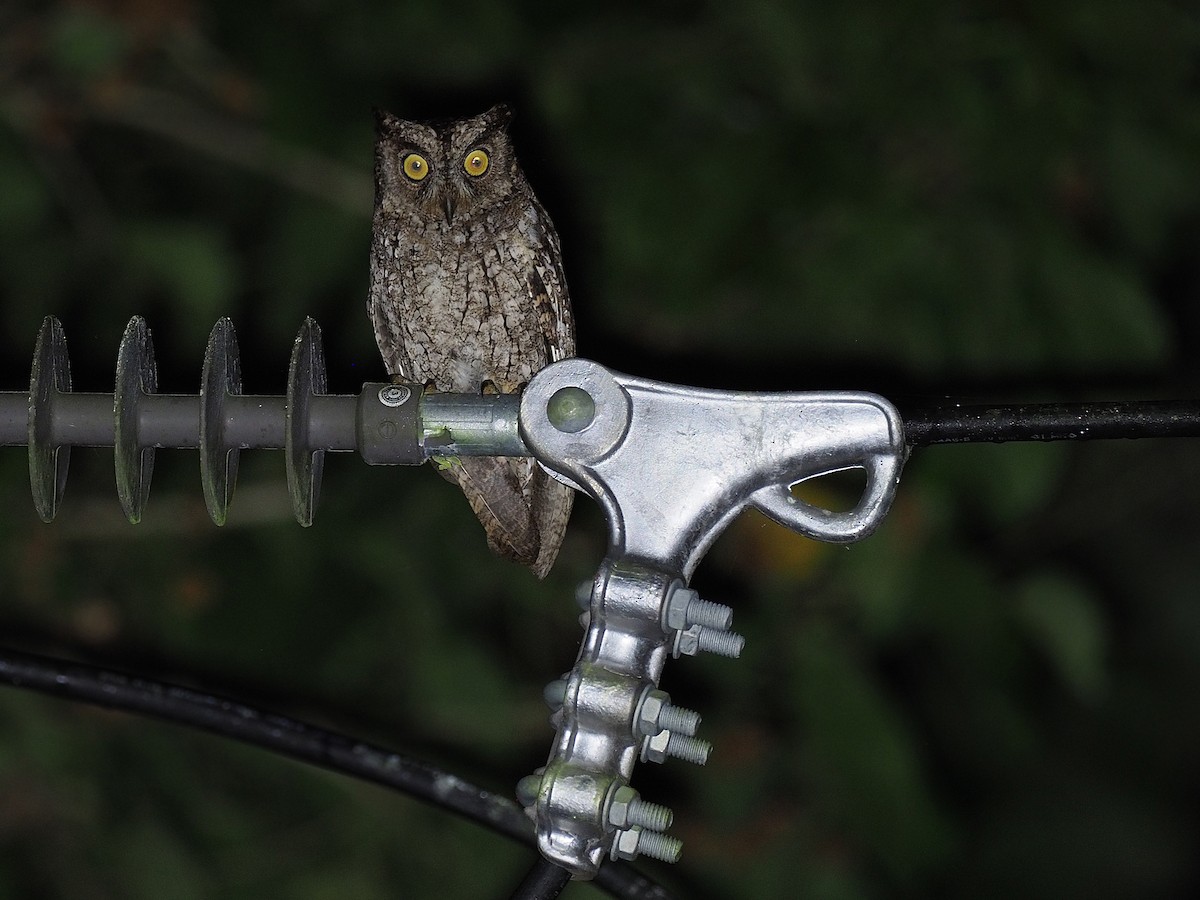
pixel 170 420
pixel 451 424
pixel 14 419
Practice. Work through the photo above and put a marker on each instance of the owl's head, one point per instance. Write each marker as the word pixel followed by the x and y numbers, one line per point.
pixel 449 169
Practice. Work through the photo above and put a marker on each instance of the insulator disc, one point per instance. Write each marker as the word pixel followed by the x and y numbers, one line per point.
pixel 50 376
pixel 306 377
pixel 137 376
pixel 222 377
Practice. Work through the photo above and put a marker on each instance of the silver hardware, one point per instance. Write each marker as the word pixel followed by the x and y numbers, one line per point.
pixel 655 713
pixel 626 808
pixel 660 846
pixel 554 692
pixel 527 789
pixel 697 638
pixel 684 608
pixel 671 467
pixel 629 842
pixel 656 749
pixel 571 410
pixel 394 395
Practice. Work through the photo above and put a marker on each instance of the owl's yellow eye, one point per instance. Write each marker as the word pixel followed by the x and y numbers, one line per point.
pixel 415 167
pixel 476 162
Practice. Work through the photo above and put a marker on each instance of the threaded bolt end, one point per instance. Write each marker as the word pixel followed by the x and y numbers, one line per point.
pixel 657 845
pixel 653 816
pixel 722 643
pixel 709 614
pixel 555 693
pixel 678 719
pixel 688 748
pixel 583 594
pixel 528 789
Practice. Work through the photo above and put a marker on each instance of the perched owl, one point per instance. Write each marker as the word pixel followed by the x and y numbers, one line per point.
pixel 467 295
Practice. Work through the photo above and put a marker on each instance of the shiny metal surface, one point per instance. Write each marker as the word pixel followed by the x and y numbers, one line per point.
pixel 672 466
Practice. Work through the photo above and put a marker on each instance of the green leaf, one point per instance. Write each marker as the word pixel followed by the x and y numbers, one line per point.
pixel 1067 626
pixel 867 760
pixel 188 260
pixel 86 43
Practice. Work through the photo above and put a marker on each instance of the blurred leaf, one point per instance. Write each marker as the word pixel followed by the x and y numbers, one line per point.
pixel 870 765
pixel 85 42
pixel 189 260
pixel 26 201
pixel 156 862
pixel 1006 481
pixel 1065 623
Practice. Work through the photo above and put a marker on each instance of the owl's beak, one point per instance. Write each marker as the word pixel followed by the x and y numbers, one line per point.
pixel 449 208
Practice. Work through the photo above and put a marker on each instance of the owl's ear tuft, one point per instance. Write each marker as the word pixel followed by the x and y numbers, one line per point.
pixel 499 116
pixel 385 122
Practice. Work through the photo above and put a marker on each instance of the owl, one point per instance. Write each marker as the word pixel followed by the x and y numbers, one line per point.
pixel 467 295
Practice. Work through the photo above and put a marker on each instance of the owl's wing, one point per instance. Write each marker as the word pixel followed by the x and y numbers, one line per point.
pixel 499 491
pixel 384 306
pixel 548 289
pixel 523 510
pixel 551 510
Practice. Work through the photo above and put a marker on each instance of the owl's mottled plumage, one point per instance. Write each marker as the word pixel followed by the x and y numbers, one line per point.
pixel 467 291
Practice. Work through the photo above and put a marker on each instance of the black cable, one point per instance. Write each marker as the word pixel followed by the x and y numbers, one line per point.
pixel 1051 421
pixel 298 740
pixel 543 881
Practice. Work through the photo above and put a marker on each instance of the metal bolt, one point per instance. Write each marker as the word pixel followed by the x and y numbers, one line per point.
pixel 679 720
pixel 655 713
pixel 684 608
pixel 555 693
pixel 689 748
pixel 660 846
pixel 660 746
pixel 528 789
pixel 571 409
pixel 626 808
pixel 583 594
pixel 629 842
pixel 697 638
pixel 394 395
pixel 723 643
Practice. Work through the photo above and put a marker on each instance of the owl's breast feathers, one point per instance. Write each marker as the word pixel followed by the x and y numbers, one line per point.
pixel 468 302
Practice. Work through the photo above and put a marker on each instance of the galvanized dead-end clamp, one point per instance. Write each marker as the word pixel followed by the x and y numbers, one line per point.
pixel 671 467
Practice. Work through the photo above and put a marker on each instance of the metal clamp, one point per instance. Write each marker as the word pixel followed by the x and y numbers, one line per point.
pixel 671 467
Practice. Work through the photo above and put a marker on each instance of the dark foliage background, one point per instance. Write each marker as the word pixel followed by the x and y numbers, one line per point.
pixel 995 696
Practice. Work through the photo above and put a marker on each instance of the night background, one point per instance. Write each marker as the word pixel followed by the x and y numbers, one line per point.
pixel 997 695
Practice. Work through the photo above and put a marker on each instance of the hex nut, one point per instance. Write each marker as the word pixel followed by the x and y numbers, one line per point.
pixel 625 843
pixel 687 643
pixel 678 600
pixel 649 710
pixel 618 807
pixel 654 749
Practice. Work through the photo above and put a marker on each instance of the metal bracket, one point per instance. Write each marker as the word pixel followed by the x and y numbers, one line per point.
pixel 672 467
